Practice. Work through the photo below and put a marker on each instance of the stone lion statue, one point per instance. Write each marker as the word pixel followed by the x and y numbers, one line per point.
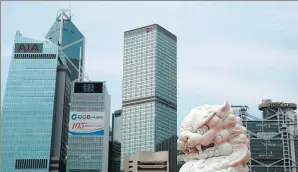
pixel 213 139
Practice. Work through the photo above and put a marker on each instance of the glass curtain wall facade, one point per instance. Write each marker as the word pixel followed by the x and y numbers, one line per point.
pixel 115 146
pixel 149 112
pixel 88 139
pixel 28 106
pixel 116 125
pixel 73 41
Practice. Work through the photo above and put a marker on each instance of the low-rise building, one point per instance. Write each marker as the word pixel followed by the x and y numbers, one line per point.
pixel 147 161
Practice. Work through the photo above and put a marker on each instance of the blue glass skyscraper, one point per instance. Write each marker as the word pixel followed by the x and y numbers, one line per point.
pixel 31 108
pixel 72 42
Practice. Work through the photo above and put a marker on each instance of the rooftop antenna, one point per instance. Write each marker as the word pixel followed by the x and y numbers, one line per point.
pixel 63 13
pixel 70 10
pixel 61 28
pixel 18 33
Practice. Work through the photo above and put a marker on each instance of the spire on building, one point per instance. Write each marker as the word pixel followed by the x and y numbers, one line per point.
pixel 65 13
pixel 18 33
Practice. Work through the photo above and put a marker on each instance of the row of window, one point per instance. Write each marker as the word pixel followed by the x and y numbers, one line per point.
pixel 139 37
pixel 31 164
pixel 133 149
pixel 137 135
pixel 131 84
pixel 85 148
pixel 138 73
pixel 85 140
pixel 145 76
pixel 140 41
pixel 77 144
pixel 148 60
pixel 133 93
pixel 139 83
pixel 139 58
pixel 145 44
pixel 145 49
pixel 87 109
pixel 135 36
pixel 139 33
pixel 127 126
pixel 35 56
pixel 138 63
pixel 139 68
pixel 82 97
pixel 139 52
pixel 138 147
pixel 87 103
pixel 135 96
pixel 141 64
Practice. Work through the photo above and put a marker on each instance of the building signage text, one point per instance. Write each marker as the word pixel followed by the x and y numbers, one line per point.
pixel 28 48
pixel 75 117
pixel 149 29
pixel 88 87
pixel 278 104
pixel 86 123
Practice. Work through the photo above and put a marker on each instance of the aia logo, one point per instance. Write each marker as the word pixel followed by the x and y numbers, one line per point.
pixel 149 29
pixel 28 48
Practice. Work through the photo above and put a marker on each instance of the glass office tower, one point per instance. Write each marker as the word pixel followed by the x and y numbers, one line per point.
pixel 72 41
pixel 30 108
pixel 149 112
pixel 88 139
pixel 116 125
pixel 115 143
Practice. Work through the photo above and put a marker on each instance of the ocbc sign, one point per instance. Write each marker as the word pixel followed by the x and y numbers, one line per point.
pixel 75 116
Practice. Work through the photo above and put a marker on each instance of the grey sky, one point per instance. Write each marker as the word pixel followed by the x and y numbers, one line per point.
pixel 239 51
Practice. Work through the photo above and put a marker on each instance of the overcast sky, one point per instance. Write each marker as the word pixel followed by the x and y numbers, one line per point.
pixel 242 52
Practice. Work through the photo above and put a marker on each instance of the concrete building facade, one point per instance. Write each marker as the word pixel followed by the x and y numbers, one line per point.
pixel 147 161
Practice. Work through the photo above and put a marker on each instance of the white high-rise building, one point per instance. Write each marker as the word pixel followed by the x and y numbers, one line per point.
pixel 89 119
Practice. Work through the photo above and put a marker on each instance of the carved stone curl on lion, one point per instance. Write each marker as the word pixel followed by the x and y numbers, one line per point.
pixel 214 140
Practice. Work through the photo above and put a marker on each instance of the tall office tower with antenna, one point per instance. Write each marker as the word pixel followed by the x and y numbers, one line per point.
pixel 71 42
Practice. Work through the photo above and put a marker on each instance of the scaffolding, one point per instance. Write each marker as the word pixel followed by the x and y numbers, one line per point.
pixel 274 138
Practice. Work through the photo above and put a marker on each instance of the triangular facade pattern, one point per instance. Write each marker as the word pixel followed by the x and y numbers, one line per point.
pixel 72 41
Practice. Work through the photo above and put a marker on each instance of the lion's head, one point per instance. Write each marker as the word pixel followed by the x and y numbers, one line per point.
pixel 212 132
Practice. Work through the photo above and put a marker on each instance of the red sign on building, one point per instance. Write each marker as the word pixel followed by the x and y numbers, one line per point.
pixel 149 29
pixel 77 126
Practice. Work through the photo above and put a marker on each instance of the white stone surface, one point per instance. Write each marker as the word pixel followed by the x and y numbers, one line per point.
pixel 213 140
